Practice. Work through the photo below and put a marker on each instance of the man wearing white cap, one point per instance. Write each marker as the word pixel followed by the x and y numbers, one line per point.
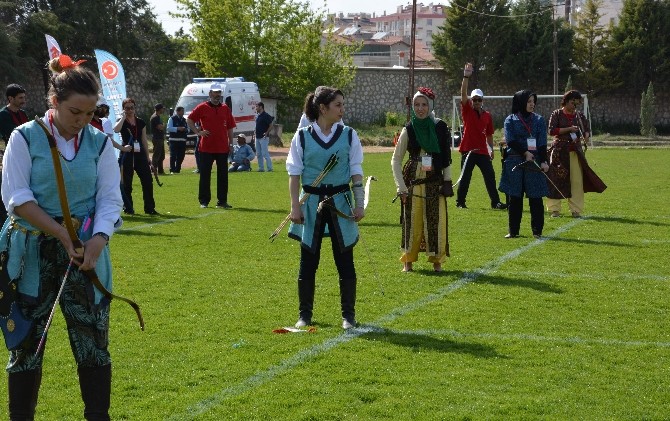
pixel 476 146
pixel 216 124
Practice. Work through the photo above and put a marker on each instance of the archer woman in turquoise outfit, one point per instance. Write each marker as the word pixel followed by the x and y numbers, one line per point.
pixel 526 137
pixel 39 249
pixel 324 158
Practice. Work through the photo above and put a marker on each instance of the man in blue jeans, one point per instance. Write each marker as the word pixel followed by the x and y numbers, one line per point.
pixel 263 124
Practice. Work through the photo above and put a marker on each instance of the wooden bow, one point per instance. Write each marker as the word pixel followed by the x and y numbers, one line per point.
pixel 332 161
pixel 67 220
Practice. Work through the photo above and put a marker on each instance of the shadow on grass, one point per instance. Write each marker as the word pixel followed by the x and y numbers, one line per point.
pixel 516 282
pixel 144 233
pixel 593 242
pixel 621 220
pixel 254 210
pixel 423 342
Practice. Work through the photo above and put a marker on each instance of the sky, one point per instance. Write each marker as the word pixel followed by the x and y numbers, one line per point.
pixel 171 25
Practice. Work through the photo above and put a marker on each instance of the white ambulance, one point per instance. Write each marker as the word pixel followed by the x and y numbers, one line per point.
pixel 239 95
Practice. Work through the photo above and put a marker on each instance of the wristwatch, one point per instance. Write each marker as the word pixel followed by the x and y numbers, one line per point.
pixel 103 235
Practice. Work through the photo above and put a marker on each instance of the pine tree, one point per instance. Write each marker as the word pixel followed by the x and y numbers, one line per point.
pixel 647 112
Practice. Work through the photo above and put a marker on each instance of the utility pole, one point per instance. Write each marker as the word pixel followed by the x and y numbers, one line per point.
pixel 553 18
pixel 412 53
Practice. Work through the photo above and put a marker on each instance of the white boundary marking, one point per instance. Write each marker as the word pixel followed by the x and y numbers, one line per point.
pixel 285 365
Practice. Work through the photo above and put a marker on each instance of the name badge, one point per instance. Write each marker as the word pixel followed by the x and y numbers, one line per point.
pixel 427 163
pixel 573 136
pixel 136 146
pixel 532 144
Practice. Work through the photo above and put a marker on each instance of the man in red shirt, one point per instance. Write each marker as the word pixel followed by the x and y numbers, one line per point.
pixel 216 124
pixel 476 146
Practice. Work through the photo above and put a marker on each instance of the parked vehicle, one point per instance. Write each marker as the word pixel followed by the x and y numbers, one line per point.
pixel 241 96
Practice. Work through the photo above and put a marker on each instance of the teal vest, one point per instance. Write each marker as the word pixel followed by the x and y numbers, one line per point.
pixel 80 175
pixel 316 154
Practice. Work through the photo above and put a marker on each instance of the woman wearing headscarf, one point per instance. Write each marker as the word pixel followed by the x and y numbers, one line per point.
pixel 526 136
pixel 423 183
pixel 569 128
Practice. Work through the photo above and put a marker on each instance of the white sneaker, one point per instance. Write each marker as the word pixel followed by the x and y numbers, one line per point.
pixel 302 323
pixel 348 324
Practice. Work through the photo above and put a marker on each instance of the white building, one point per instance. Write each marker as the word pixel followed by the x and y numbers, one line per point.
pixel 428 20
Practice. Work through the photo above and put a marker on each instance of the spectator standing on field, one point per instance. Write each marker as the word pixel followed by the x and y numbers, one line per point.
pixel 158 138
pixel 476 147
pixel 178 131
pixel 216 130
pixel 102 123
pixel 12 115
pixel 263 125
pixel 134 133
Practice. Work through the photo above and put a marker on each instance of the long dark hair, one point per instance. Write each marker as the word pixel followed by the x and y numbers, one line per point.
pixel 323 95
pixel 570 95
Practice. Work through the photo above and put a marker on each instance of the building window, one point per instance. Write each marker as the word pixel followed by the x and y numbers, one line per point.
pixel 429 22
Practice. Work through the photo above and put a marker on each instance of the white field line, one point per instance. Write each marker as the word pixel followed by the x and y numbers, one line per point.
pixel 285 365
pixel 655 241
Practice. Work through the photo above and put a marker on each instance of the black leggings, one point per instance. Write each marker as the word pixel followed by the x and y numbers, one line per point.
pixel 515 211
pixel 344 260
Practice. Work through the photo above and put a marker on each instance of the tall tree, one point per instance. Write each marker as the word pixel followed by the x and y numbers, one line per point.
pixel 474 31
pixel 590 48
pixel 534 42
pixel 126 28
pixel 276 43
pixel 640 47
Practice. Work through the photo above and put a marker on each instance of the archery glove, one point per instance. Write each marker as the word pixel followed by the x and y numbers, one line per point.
pixel 447 190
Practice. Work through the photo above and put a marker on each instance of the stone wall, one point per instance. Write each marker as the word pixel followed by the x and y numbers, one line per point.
pixel 376 91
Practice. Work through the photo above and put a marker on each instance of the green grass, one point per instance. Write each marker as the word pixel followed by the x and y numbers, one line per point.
pixel 572 327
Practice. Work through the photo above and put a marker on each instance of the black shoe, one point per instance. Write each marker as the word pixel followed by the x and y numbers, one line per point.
pixel 223 206
pixel 499 206
pixel 129 212
pixel 461 205
pixel 512 236
pixel 152 212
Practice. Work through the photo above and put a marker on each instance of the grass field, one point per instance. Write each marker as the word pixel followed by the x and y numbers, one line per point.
pixel 573 326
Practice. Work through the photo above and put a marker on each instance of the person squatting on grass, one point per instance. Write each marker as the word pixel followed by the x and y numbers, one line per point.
pixel 242 155
pixel 526 137
pixel 476 147
pixel 311 154
pixel 37 247
pixel 423 183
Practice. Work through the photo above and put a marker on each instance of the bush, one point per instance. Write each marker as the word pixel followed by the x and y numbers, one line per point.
pixel 394 119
